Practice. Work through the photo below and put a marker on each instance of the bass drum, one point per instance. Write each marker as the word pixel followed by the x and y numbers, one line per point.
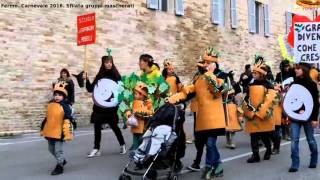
pixel 298 103
pixel 105 93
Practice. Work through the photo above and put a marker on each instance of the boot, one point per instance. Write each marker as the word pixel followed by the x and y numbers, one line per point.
pixel 206 174
pixel 218 171
pixel 230 143
pixel 267 155
pixel 276 146
pixel 57 170
pixel 254 158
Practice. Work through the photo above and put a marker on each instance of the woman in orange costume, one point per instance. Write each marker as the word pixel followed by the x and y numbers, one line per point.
pixel 258 106
pixel 208 91
pixel 171 77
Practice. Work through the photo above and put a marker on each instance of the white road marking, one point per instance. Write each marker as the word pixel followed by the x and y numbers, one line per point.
pixel 245 154
pixel 40 139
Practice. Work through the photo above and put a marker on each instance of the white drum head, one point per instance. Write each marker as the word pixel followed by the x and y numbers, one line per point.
pixel 105 93
pixel 298 103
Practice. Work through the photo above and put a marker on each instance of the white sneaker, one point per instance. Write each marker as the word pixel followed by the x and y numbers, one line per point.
pixel 94 153
pixel 123 149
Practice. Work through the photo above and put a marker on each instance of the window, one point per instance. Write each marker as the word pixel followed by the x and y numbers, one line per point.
pixel 289 17
pixel 257 17
pixel 218 12
pixel 171 6
pixel 233 13
pixel 259 20
pixel 222 15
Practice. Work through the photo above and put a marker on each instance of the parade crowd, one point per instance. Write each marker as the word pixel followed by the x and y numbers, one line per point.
pixel 268 109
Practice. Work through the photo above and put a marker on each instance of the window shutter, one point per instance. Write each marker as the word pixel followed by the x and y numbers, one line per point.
pixel 221 11
pixel 234 18
pixel 252 16
pixel 289 21
pixel 152 4
pixel 215 12
pixel 266 20
pixel 179 7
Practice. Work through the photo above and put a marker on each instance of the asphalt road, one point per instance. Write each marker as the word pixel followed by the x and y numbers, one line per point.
pixel 26 157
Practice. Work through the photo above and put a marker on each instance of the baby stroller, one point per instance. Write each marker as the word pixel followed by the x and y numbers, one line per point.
pixel 162 147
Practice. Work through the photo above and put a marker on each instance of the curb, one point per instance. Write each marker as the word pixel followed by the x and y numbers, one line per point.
pixel 16 133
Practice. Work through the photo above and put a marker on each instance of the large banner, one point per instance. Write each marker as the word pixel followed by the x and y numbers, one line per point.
pixel 307 42
pixel 86 29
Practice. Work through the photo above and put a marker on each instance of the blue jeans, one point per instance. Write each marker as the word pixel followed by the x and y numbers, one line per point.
pixel 213 155
pixel 295 135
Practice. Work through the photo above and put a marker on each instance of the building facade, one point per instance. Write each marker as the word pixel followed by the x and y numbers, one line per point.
pixel 36 43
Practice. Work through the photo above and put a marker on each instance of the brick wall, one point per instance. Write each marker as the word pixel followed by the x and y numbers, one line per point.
pixel 36 43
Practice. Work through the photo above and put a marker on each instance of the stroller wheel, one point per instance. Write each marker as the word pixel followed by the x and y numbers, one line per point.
pixel 173 177
pixel 152 174
pixel 124 177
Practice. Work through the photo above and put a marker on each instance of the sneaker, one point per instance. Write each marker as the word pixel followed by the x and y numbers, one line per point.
pixel 253 159
pixel 123 149
pixel 194 167
pixel 293 170
pixel 275 151
pixel 218 171
pixel 207 173
pixel 312 166
pixel 230 146
pixel 57 170
pixel 94 153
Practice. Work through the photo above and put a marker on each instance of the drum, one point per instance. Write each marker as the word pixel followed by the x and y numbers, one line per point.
pixel 105 93
pixel 298 103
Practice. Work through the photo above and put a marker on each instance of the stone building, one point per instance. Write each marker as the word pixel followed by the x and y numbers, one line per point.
pixel 36 43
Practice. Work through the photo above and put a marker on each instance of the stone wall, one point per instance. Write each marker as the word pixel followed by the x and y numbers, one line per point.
pixel 35 44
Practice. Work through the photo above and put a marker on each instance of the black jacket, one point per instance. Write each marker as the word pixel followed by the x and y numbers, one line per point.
pixel 312 87
pixel 102 115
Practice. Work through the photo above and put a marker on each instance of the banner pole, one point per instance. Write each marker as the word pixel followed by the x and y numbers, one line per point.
pixel 85 68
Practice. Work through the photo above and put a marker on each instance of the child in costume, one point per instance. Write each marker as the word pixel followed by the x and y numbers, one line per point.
pixel 277 116
pixel 257 107
pixel 141 109
pixel 56 127
pixel 286 73
pixel 207 88
pixel 231 110
pixel 171 77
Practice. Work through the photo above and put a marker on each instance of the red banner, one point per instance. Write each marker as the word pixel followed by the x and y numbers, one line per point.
pixel 86 29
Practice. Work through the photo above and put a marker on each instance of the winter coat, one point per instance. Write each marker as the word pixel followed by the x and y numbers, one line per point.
pixel 58 121
pixel 262 98
pixel 140 109
pixel 173 82
pixel 102 115
pixel 210 112
pixel 313 89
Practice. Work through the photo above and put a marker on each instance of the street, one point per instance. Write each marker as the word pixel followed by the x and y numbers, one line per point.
pixel 26 157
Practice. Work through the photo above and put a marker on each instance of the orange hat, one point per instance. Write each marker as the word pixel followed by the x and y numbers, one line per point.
pixel 141 88
pixel 167 63
pixel 260 67
pixel 61 88
pixel 211 55
pixel 309 3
